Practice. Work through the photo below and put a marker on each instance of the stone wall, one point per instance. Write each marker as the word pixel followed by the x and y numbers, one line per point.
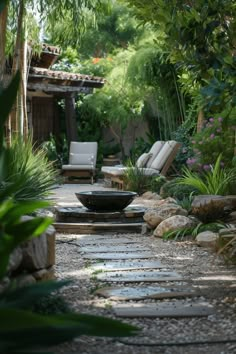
pixel 33 260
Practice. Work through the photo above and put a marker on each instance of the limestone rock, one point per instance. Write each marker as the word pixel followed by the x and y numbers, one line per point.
pixel 165 211
pixel 151 195
pixel 166 201
pixel 168 210
pixel 209 207
pixel 44 274
pixel 152 218
pixel 173 223
pixel 35 253
pixel 15 260
pixel 207 239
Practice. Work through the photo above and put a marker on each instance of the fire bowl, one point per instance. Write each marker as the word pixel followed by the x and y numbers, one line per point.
pixel 105 200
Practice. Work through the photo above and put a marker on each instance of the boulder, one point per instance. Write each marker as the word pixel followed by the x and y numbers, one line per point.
pixel 166 201
pixel 152 218
pixel 207 239
pixel 151 195
pixel 175 222
pixel 164 211
pixel 210 207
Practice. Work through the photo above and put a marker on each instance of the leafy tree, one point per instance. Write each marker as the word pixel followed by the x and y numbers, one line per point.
pixel 200 37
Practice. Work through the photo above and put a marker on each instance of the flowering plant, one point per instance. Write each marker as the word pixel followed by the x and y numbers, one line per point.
pixel 215 138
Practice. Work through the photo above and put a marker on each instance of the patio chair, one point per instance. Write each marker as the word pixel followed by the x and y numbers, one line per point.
pixel 154 163
pixel 82 160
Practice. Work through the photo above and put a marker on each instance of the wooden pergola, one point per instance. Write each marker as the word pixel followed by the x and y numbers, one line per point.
pixel 45 87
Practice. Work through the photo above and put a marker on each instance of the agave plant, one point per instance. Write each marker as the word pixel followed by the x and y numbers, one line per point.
pixel 216 181
pixel 29 168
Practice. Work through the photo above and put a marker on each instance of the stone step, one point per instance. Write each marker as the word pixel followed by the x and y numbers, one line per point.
pixel 107 249
pixel 119 255
pixel 173 309
pixel 94 228
pixel 139 276
pixel 127 265
pixel 111 240
pixel 127 293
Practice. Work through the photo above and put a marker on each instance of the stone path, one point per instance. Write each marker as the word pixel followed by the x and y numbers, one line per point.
pixel 102 248
pixel 160 289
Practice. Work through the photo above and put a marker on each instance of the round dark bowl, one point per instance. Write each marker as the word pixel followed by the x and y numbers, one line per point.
pixel 105 200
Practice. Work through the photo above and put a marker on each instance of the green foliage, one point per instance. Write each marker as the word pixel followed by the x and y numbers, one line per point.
pixel 30 169
pixel 216 181
pixel 157 183
pixel 176 190
pixel 56 150
pixel 135 179
pixel 200 38
pixel 186 202
pixel 194 231
pixel 215 138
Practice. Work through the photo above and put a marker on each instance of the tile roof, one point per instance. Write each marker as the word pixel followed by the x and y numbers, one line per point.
pixel 63 75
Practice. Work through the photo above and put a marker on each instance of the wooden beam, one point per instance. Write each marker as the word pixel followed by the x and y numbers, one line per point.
pixel 57 88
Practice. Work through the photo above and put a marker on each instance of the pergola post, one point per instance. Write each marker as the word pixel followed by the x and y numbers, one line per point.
pixel 71 124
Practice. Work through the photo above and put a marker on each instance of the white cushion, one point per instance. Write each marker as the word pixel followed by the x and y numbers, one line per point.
pixel 81 159
pixel 83 147
pixel 114 170
pixel 163 155
pixel 143 159
pixel 156 147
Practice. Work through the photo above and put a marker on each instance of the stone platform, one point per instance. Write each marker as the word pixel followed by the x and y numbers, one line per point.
pixel 83 221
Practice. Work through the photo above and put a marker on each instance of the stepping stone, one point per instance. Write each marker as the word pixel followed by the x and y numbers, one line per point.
pixel 138 293
pixel 130 265
pixel 167 309
pixel 139 276
pixel 106 240
pixel 110 248
pixel 119 255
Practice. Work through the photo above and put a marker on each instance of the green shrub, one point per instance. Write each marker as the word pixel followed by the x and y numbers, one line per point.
pixel 30 169
pixel 178 191
pixel 217 181
pixel 157 183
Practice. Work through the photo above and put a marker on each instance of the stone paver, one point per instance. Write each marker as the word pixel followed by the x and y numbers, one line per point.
pixel 140 292
pixel 119 255
pixel 109 248
pixel 106 240
pixel 127 265
pixel 170 309
pixel 139 276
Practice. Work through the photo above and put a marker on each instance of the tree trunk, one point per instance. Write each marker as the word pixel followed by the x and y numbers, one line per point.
pixel 200 120
pixel 17 114
pixel 3 27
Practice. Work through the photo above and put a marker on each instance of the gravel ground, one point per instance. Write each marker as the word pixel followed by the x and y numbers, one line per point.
pixel 212 279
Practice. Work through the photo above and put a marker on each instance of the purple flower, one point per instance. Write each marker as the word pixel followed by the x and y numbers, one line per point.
pixel 220 119
pixel 211 120
pixel 206 167
pixel 212 136
pixel 191 161
pixel 219 130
